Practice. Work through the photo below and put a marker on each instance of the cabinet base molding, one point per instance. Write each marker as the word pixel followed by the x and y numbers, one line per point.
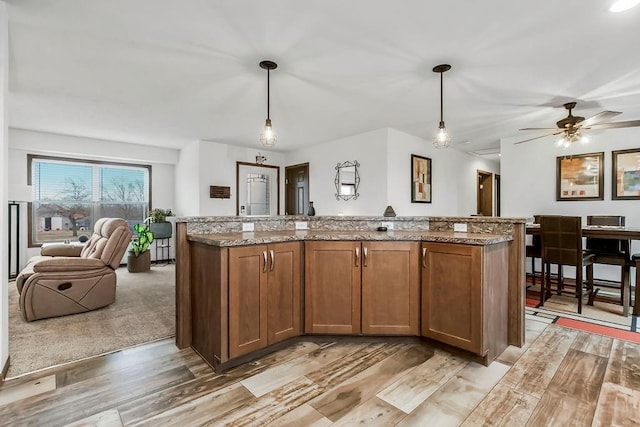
pixel 249 357
pixel 481 359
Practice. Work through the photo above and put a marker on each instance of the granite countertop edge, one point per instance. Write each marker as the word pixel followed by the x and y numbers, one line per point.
pixel 477 219
pixel 266 237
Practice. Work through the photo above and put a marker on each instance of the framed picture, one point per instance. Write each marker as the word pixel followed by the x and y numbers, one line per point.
pixel 580 177
pixel 625 180
pixel 420 179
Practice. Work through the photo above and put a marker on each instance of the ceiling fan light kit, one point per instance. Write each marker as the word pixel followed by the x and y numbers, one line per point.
pixel 571 127
pixel 442 138
pixel 268 135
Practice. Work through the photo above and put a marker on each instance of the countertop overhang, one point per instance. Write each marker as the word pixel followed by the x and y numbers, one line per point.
pixel 266 237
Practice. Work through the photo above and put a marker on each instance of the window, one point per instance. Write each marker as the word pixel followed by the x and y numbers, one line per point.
pixel 70 195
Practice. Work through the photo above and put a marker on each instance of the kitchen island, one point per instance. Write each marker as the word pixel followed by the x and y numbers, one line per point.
pixel 242 294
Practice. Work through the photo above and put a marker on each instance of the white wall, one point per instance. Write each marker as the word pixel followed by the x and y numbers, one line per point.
pixel 23 142
pixel 385 175
pixel 4 178
pixel 217 165
pixel 370 150
pixel 186 179
pixel 453 177
pixel 529 181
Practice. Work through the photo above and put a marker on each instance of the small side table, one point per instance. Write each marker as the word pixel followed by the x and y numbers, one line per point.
pixel 163 246
pixel 636 302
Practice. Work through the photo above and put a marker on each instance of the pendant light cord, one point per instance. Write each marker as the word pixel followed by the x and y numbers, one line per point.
pixel 268 93
pixel 441 102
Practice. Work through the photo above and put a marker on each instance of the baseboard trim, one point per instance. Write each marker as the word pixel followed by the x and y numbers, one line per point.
pixel 5 369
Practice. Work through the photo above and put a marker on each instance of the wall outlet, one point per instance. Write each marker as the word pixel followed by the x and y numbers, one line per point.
pixel 301 225
pixel 248 226
pixel 462 228
pixel 387 224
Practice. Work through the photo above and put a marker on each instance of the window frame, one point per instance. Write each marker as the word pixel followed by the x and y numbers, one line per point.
pixel 30 159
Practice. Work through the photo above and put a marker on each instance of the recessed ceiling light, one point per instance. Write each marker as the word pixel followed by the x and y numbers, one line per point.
pixel 622 5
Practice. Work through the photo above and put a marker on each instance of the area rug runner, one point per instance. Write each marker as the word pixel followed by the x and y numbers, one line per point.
pixel 144 311
pixel 599 329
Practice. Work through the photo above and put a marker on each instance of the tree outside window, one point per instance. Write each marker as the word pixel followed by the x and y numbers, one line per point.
pixel 70 195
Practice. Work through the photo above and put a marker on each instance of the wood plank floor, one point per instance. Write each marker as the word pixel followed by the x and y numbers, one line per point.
pixel 560 377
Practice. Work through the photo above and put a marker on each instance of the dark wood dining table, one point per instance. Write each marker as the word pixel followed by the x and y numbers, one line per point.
pixel 614 233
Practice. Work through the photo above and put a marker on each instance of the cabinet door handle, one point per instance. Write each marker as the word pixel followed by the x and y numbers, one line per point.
pixel 364 256
pixel 357 256
pixel 273 259
pixel 264 255
pixel 424 257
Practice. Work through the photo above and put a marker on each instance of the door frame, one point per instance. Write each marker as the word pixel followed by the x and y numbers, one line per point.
pixel 286 183
pixel 480 192
pixel 496 191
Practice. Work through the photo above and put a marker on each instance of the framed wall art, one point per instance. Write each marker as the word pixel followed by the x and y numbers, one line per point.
pixel 625 171
pixel 580 177
pixel 420 179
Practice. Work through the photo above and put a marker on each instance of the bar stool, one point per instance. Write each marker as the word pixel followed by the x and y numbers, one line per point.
pixel 534 250
pixel 612 252
pixel 562 245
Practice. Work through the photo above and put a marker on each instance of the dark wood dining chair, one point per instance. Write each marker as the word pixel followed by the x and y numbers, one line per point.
pixel 534 250
pixel 562 245
pixel 612 252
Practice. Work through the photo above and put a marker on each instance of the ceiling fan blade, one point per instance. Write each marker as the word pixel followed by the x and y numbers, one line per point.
pixel 603 115
pixel 629 124
pixel 541 136
pixel 539 129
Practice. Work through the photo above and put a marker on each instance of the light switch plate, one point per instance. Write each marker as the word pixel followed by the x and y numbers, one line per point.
pixel 248 226
pixel 462 228
pixel 301 225
pixel 388 224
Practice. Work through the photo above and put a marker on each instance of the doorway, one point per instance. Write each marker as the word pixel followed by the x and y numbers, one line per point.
pixel 297 189
pixel 497 194
pixel 485 193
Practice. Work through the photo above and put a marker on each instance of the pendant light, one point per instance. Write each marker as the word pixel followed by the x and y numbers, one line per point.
pixel 268 136
pixel 442 138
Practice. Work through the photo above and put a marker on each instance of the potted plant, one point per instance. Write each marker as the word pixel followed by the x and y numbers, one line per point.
pixel 158 223
pixel 139 258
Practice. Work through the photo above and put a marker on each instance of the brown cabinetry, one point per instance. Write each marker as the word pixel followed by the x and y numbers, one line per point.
pixel 464 296
pixel 332 287
pixel 264 296
pixel 370 288
pixel 390 288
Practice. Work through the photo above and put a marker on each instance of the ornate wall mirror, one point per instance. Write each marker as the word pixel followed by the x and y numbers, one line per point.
pixel 257 189
pixel 347 180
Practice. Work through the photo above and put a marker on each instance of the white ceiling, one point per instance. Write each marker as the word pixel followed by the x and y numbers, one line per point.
pixel 168 72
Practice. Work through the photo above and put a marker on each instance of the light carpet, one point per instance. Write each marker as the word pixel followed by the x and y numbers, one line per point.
pixel 144 311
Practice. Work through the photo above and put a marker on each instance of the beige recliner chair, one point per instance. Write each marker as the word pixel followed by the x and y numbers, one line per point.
pixel 69 279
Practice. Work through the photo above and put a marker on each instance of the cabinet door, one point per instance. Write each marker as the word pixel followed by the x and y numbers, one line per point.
pixel 452 294
pixel 284 291
pixel 247 299
pixel 332 287
pixel 391 288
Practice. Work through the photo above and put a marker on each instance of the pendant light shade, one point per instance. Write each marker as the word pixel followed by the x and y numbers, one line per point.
pixel 268 135
pixel 442 138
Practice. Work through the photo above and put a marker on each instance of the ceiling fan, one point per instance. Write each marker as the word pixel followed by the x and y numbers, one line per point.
pixel 571 126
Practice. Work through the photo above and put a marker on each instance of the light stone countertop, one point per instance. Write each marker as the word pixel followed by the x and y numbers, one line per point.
pixel 265 237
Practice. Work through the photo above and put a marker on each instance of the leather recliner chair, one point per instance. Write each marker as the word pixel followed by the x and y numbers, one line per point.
pixel 69 279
